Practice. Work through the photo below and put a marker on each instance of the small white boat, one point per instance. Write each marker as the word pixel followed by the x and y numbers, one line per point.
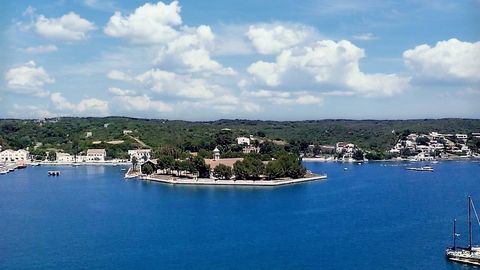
pixel 421 169
pixel 3 171
pixel 34 164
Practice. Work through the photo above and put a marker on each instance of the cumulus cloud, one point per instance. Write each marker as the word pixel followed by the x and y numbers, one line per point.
pixel 28 79
pixel 287 98
pixel 150 23
pixel 365 37
pixel 119 76
pixel 40 49
pixel 120 92
pixel 160 25
pixel 185 86
pixel 447 60
pixel 273 38
pixel 143 103
pixel 327 64
pixel 69 27
pixel 87 106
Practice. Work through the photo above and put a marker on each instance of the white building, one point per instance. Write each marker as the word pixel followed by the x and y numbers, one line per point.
pixel 65 158
pixel 12 156
pixel 140 154
pixel 243 140
pixel 461 136
pixel 88 134
pixel 126 132
pixel 96 155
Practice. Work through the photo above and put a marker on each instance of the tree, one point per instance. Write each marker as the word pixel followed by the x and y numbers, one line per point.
pixel 134 163
pixel 222 172
pixel 224 137
pixel 52 155
pixel 200 167
pixel 422 140
pixel 274 170
pixel 147 168
pixel 358 155
pixel 291 165
pixel 249 168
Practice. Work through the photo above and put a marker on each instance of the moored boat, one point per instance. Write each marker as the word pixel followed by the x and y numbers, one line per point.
pixel 470 254
pixel 421 169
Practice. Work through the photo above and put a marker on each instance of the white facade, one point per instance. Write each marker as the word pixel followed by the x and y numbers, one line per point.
pixel 126 132
pixel 88 134
pixel 96 155
pixel 140 154
pixel 461 136
pixel 12 156
pixel 243 140
pixel 65 158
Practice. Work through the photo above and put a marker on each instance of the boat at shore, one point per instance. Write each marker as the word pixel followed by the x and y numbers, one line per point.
pixel 421 169
pixel 470 254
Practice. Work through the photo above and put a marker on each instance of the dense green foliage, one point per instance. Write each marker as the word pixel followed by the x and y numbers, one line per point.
pixel 222 172
pixel 69 134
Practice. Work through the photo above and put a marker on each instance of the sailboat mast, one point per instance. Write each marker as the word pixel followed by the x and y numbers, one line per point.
pixel 454 234
pixel 470 223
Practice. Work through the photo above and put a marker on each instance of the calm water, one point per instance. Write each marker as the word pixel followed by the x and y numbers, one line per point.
pixel 373 216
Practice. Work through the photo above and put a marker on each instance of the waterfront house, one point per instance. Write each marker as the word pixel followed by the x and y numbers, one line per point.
pixel 65 158
pixel 12 155
pixel 140 154
pixel 96 155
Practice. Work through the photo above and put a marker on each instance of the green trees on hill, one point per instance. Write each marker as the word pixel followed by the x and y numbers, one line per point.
pixel 286 165
pixel 222 172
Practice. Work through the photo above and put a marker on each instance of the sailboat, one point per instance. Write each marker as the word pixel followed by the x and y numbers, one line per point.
pixel 468 255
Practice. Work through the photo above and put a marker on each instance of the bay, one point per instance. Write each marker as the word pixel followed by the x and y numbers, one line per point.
pixel 372 216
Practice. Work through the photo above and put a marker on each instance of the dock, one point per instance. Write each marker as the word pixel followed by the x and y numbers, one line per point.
pixel 214 182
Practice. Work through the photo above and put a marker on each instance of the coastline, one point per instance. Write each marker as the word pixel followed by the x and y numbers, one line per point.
pixel 390 160
pixel 213 182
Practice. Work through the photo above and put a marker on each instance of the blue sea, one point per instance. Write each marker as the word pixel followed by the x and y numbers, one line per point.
pixel 371 216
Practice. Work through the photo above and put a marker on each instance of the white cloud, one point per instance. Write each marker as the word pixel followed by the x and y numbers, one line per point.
pixel 30 111
pixel 121 92
pixel 143 103
pixel 88 106
pixel 119 76
pixel 447 60
pixel 150 23
pixel 326 64
pixel 273 38
pixel 69 27
pixel 365 37
pixel 160 26
pixel 178 85
pixel 28 79
pixel 287 98
pixel 40 49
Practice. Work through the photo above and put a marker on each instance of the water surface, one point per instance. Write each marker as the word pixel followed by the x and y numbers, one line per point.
pixel 371 216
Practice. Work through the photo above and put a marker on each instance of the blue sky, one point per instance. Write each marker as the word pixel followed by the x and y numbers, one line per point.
pixel 206 60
